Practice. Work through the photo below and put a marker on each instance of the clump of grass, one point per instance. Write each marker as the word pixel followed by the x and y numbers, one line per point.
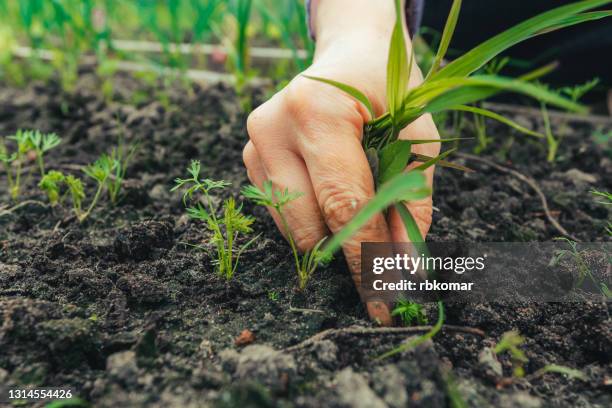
pixel 306 264
pixel 510 342
pixel 226 228
pixel 410 312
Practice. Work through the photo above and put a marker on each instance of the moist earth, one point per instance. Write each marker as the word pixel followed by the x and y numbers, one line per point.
pixel 123 311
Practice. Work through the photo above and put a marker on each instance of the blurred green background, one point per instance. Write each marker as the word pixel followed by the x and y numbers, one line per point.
pixel 244 38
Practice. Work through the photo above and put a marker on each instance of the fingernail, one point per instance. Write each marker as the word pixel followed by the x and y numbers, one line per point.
pixel 379 312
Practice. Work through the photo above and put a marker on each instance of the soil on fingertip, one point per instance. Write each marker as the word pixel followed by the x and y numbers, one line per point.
pixel 122 311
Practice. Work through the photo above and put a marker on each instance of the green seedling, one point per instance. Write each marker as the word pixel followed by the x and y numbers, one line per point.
pixel 24 145
pixel 551 141
pixel 273 296
pixel 414 342
pixel 305 265
pixel 574 93
pixel 77 194
pixel 607 200
pixel 583 268
pixel 121 156
pixel 41 144
pixel 225 229
pixel 7 162
pixel 99 171
pixel 510 342
pixel 50 184
pixel 554 368
pixel 410 313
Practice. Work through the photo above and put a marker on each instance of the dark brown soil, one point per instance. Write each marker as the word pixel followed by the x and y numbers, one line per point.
pixel 122 311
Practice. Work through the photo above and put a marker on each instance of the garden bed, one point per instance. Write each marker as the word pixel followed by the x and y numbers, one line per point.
pixel 122 311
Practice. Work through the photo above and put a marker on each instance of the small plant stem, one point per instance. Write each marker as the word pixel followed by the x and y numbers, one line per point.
pixel 16 186
pixel 221 251
pixel 20 205
pixel 293 247
pixel 41 163
pixel 553 144
pixel 93 203
pixel 9 176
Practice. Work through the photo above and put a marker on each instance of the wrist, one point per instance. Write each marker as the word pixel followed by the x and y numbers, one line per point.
pixel 333 20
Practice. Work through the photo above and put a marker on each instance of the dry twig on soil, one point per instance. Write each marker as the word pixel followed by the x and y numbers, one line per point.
pixel 529 181
pixel 377 331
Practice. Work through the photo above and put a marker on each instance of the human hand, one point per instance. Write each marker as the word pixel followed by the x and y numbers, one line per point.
pixel 307 137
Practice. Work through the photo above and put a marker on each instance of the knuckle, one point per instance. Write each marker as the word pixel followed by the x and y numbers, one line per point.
pixel 300 100
pixel 249 155
pixel 339 205
pixel 319 110
pixel 423 215
pixel 307 237
pixel 257 121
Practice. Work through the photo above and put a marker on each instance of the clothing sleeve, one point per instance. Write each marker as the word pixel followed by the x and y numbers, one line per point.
pixel 414 14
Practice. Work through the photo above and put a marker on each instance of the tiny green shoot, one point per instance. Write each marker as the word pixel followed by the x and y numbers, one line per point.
pixel 554 368
pixel 583 268
pixel 99 171
pixel 607 200
pixel 410 312
pixel 225 229
pixel 77 194
pixel 7 162
pixel 416 341
pixel 41 143
pixel 24 145
pixel 50 184
pixel 121 156
pixel 510 342
pixel 306 264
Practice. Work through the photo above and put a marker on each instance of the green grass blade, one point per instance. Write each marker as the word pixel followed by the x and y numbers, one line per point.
pixel 443 94
pixel 403 187
pixel 435 160
pixel 496 116
pixel 449 30
pixel 414 234
pixel 398 70
pixel 427 141
pixel 441 163
pixel 540 72
pixel 557 18
pixel 579 19
pixel 355 93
